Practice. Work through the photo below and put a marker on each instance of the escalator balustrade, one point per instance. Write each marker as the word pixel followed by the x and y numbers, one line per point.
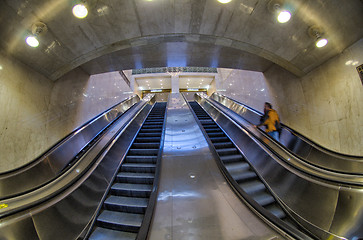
pixel 237 166
pixel 122 213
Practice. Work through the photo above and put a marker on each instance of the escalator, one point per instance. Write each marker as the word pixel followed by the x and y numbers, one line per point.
pixel 122 213
pixel 239 168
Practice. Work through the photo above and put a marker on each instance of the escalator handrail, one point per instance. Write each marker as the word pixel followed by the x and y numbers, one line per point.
pixel 290 159
pixel 266 215
pixel 64 139
pixel 77 172
pixel 296 133
pixel 60 157
pixel 316 157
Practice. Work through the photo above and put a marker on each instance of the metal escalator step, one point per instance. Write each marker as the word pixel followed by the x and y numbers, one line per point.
pixel 152 125
pixel 219 145
pixel 263 198
pixel 212 130
pixel 209 125
pixel 216 134
pixel 138 167
pixel 126 204
pixel 133 177
pixel 240 177
pixel 143 152
pixel 237 167
pixel 131 190
pixel 231 158
pixel 276 210
pixel 147 139
pixel 149 134
pixel 147 145
pixel 108 234
pixel 206 121
pixel 130 222
pixel 227 151
pixel 146 130
pixel 219 139
pixel 252 187
pixel 160 120
pixel 140 159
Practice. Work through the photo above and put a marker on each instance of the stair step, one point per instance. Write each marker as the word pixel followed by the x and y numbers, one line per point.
pixel 276 210
pixel 138 167
pixel 141 159
pixel 219 139
pixel 227 151
pixel 126 204
pixel 143 152
pixel 108 234
pixel 240 177
pixel 131 190
pixel 120 221
pixel 237 167
pixel 147 139
pixel 219 145
pixel 263 199
pixel 146 145
pixel 231 158
pixel 134 177
pixel 252 187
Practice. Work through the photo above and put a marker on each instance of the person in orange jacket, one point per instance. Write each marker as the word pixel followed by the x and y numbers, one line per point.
pixel 271 121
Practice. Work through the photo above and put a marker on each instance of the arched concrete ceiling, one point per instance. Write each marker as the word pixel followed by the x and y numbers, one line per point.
pixel 129 34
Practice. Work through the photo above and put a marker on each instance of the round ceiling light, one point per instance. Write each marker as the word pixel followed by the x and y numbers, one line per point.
pixel 284 16
pixel 32 41
pixel 321 42
pixel 80 11
pixel 224 1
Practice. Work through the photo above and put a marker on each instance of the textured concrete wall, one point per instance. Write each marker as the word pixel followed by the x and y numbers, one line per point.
pixel 24 101
pixel 326 105
pixel 37 112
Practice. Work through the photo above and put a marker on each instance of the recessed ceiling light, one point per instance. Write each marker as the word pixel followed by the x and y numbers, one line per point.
pixel 224 1
pixel 80 11
pixel 32 41
pixel 321 42
pixel 284 16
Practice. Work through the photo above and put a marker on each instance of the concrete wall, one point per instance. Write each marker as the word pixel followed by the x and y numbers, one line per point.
pixel 37 112
pixel 326 105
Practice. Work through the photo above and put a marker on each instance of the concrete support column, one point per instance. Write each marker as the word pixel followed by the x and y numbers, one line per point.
pixel 175 84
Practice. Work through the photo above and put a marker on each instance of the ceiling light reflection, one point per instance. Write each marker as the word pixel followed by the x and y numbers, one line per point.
pixel 224 1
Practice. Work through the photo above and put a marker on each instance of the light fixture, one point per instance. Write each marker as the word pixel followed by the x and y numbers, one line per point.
pixel 316 33
pixel 276 8
pixel 38 28
pixel 80 10
pixel 224 1
pixel 321 42
pixel 284 16
pixel 32 41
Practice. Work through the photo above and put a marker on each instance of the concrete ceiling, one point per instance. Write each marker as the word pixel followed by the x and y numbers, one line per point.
pixel 127 34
